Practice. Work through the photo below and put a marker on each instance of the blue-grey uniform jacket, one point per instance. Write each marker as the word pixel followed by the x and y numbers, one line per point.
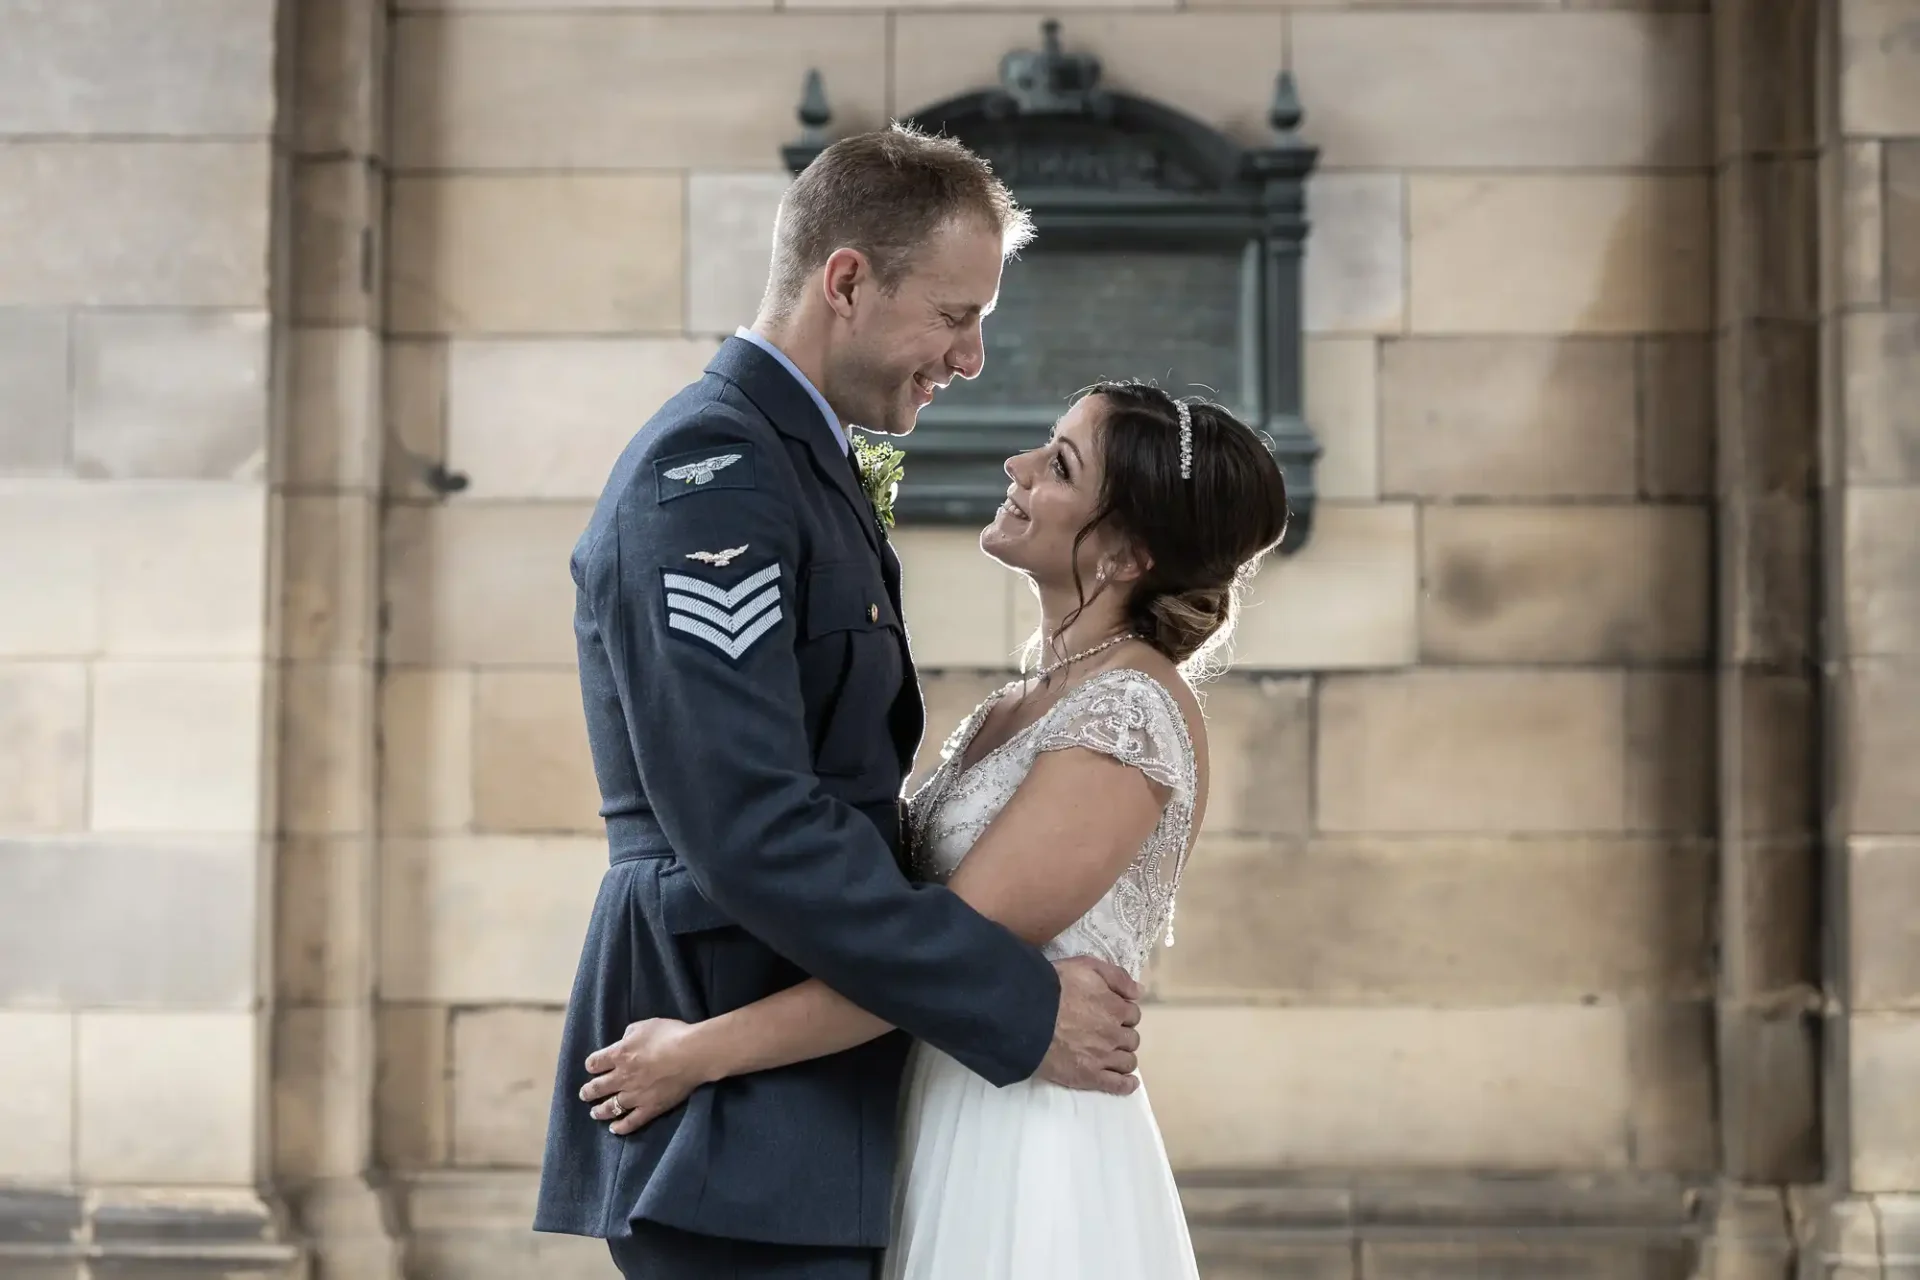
pixel 752 710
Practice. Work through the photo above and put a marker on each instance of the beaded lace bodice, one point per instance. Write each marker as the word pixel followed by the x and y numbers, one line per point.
pixel 1122 713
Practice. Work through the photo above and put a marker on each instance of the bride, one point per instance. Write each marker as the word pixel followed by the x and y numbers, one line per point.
pixel 1064 808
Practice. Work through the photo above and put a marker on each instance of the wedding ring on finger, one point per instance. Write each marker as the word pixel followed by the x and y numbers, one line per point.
pixel 613 1105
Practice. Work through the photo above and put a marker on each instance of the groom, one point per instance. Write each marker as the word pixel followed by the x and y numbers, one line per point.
pixel 752 710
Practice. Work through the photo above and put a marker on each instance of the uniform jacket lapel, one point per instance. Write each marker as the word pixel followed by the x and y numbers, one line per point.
pixel 794 414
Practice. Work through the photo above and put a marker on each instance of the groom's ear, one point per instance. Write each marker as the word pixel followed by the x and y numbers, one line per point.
pixel 846 271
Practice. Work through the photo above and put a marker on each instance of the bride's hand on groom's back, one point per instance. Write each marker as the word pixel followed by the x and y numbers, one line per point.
pixel 1094 1034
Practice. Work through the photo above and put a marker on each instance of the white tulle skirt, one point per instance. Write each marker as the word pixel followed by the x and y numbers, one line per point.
pixel 1030 1182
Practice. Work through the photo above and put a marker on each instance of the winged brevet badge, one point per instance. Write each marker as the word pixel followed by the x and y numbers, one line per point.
pixel 702 471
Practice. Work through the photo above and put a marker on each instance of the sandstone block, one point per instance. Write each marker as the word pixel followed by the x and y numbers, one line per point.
pixel 958 604
pixel 1565 584
pixel 36 1096
pixel 323 1072
pixel 43 746
pixel 1343 408
pixel 471 920
pixel 1769 229
pixel 1882 582
pixel 331 441
pixel 1770 385
pixel 330 590
pixel 170 70
pixel 337 213
pixel 1766 60
pixel 158 571
pixel 1550 254
pixel 537 6
pixel 1349 598
pixel 33 386
pixel 1878 66
pixel 1776 754
pixel 97 922
pixel 1354 279
pixel 1861 218
pixel 1882 879
pixel 1677 422
pixel 537 253
pixel 1672 775
pixel 327 736
pixel 1465 751
pixel 1883 1060
pixel 481 584
pixel 1770 541
pixel 1259 736
pixel 1440 921
pixel 340 71
pixel 730 221
pixel 1880 751
pixel 426 723
pixel 1507 417
pixel 1670 1053
pixel 502 1082
pixel 206 1066
pixel 177 747
pixel 531 768
pixel 601 90
pixel 548 419
pixel 1531 1087
pixel 937 55
pixel 1523 90
pixel 1903 222
pixel 323 920
pixel 181 569
pixel 1519 1259
pixel 414 413
pixel 1880 368
pixel 180 224
pixel 170 396
pixel 411 1103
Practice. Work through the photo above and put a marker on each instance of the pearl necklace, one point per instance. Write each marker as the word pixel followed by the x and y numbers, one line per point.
pixel 1046 672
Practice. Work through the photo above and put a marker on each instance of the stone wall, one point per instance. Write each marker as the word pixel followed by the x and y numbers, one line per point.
pixel 1452 908
pixel 138 398
pixel 1505 912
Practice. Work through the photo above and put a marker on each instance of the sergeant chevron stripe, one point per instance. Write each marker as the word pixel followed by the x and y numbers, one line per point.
pixel 730 619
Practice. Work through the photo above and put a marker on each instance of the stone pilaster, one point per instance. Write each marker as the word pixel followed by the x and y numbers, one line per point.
pixel 1766 248
pixel 327 477
pixel 1870 152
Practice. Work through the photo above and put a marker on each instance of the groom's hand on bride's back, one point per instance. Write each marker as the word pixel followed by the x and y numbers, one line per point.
pixel 1095 1034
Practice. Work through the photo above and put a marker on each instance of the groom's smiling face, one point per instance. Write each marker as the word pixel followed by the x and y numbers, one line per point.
pixel 896 349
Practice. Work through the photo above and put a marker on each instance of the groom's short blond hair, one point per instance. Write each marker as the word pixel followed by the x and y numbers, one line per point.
pixel 884 193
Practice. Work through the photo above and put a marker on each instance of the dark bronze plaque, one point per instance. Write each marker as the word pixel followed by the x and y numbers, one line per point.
pixel 1068 319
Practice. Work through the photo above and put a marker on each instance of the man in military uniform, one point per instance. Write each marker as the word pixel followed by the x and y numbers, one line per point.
pixel 753 710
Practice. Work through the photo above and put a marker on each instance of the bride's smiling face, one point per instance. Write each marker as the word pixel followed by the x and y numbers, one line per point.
pixel 1055 491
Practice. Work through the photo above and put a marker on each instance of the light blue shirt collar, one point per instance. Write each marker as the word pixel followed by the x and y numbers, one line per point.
pixel 826 410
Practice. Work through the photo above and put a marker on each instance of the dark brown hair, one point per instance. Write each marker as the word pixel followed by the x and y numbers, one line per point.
pixel 1202 536
pixel 884 193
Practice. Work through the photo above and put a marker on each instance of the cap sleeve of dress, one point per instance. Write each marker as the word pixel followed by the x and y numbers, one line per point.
pixel 1131 717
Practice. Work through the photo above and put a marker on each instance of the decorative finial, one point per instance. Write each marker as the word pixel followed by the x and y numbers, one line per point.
pixel 1049 80
pixel 1285 113
pixel 814 112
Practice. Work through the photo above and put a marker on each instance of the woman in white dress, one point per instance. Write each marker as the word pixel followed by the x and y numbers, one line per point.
pixel 1063 808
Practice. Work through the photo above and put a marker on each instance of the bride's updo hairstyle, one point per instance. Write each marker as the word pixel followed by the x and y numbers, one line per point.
pixel 1203 535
